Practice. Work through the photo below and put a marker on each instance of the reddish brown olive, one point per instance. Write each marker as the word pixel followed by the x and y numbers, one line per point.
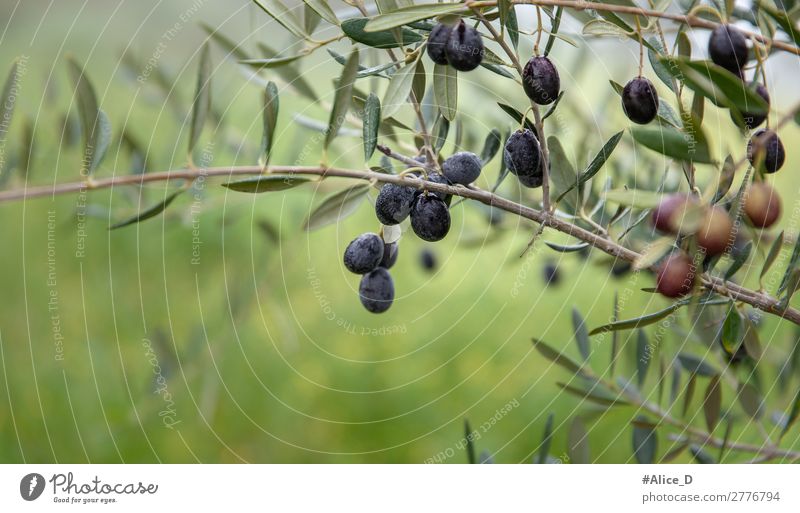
pixel 716 231
pixel 675 276
pixel 762 205
pixel 668 216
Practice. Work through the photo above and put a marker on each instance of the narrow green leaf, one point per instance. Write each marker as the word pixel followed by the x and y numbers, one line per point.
pixel 794 413
pixel 637 322
pixel 95 125
pixel 202 98
pixel 512 26
pixel 793 261
pixel 322 8
pixel 491 145
pixel 556 357
pixel 751 401
pixel 410 14
pixel 750 339
pixel 418 84
pixel 267 183
pixel 271 107
pixel 695 365
pixel 553 107
pixel 291 75
pixel 280 13
pixel 149 213
pixel 774 251
pixel 597 162
pixel 517 116
pixel 717 84
pixel 336 207
pixel 595 395
pixel 645 443
pixel 225 43
pixel 739 260
pixel 553 30
pixel 689 394
pixel 562 174
pixel 563 248
pixel 470 442
pixel 354 29
pixel 643 356
pixel 445 90
pixel 725 178
pixel 372 122
pixel 544 447
pixel 712 403
pixel 581 336
pixel 399 89
pixel 9 99
pixel 578 442
pixel 659 66
pixel 341 102
pixel 311 19
pixel 731 335
pixel 674 143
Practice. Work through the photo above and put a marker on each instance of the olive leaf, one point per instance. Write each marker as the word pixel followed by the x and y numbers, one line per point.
pixel 399 89
pixel 553 30
pixel 751 401
pixel 267 183
pixel 674 143
pixel 445 90
pixel 341 102
pixel 719 85
pixel 322 8
pixel 793 414
pixel 371 124
pixel 225 43
pixel 544 447
pixel 581 335
pixel 643 356
pixel 202 98
pixel 556 357
pixel 596 164
pixel 354 29
pixel 645 441
pixel 695 365
pixel 491 145
pixel 336 207
pixel 578 441
pixel 95 125
pixel 271 107
pixel 410 14
pixel 712 403
pixel 149 213
pixel 562 174
pixel 283 15
pixel 774 250
pixel 8 99
pixel 517 116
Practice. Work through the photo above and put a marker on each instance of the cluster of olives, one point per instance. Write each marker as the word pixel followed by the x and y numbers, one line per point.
pixel 458 45
pixel 713 230
pixel 430 221
pixel 369 256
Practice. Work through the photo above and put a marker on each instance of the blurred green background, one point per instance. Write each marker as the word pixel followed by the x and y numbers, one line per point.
pixel 221 332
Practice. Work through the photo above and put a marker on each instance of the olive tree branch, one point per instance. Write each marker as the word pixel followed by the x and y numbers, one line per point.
pixel 687 19
pixel 759 300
